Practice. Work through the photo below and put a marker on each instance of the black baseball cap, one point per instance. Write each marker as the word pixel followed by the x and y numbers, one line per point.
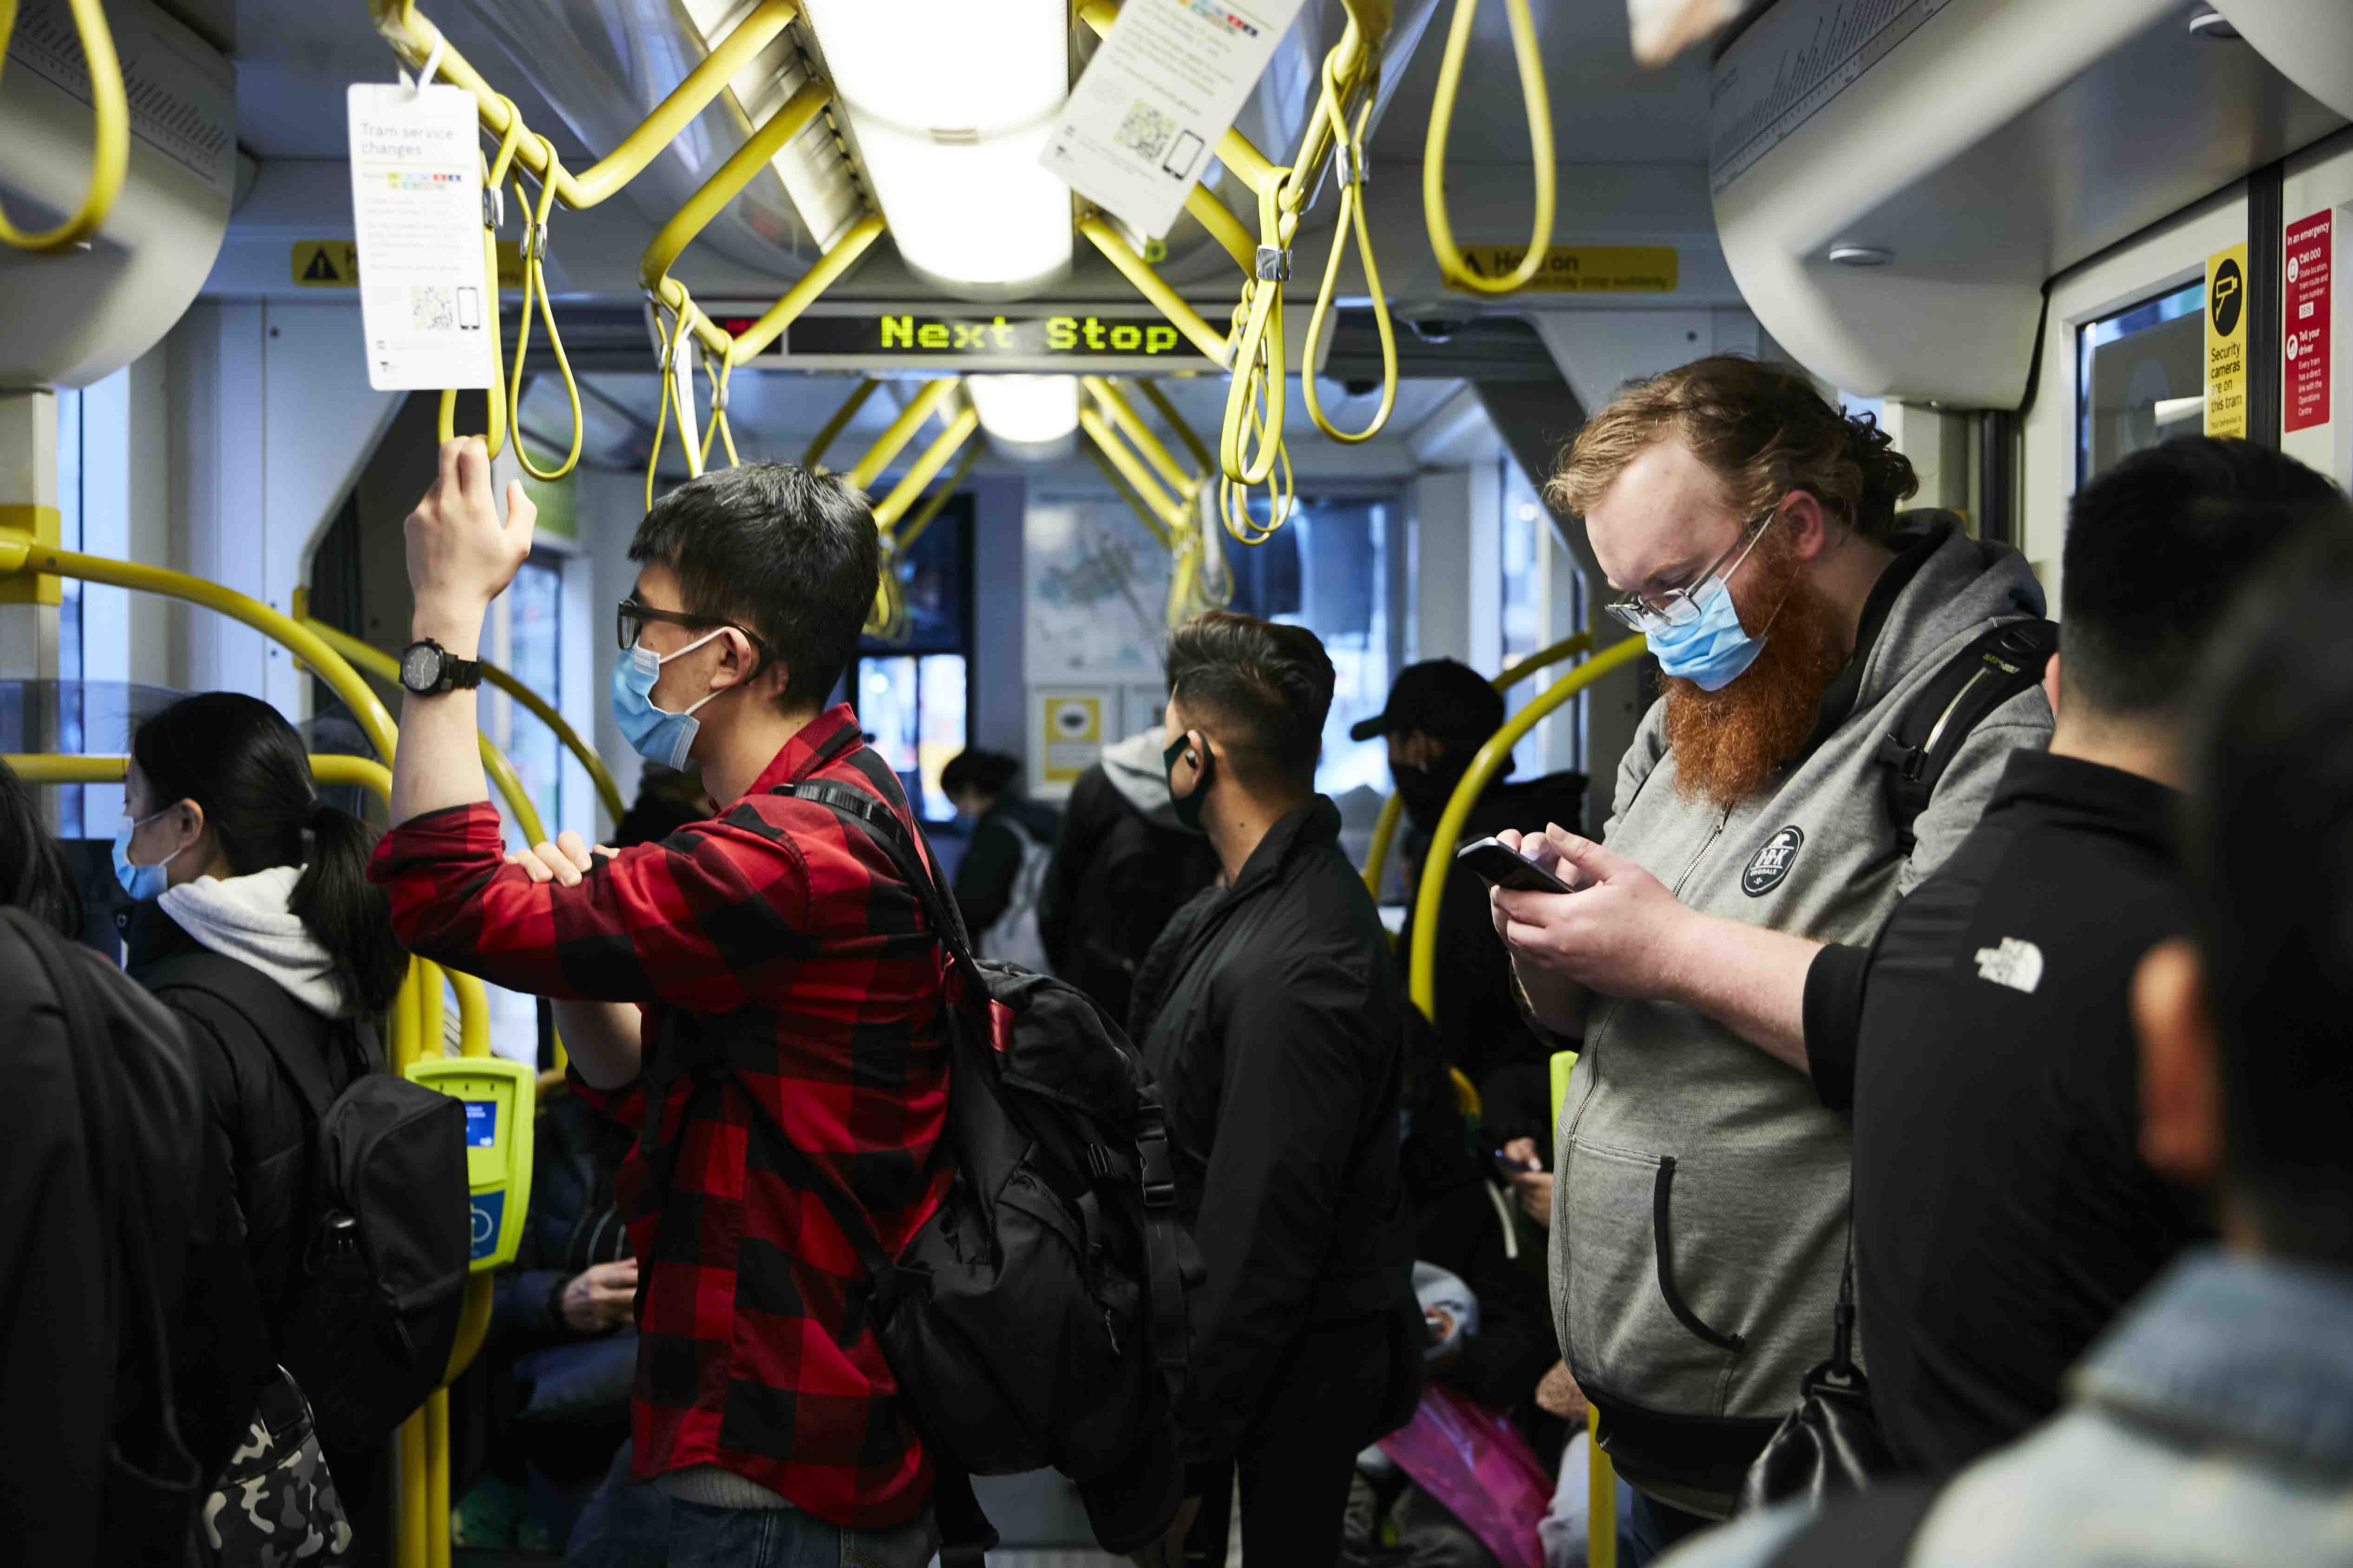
pixel 1440 697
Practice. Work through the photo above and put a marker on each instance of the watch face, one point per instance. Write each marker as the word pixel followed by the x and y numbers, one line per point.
pixel 420 666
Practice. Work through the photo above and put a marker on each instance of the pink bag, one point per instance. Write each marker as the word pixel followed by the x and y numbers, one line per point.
pixel 1472 1460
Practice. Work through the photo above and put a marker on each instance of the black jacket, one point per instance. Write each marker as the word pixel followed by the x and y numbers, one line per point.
pixel 1119 876
pixel 985 878
pixel 572 1224
pixel 258 1111
pixel 1270 1013
pixel 1479 1026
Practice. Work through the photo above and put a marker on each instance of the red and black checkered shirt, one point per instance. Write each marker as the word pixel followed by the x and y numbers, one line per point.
pixel 774 941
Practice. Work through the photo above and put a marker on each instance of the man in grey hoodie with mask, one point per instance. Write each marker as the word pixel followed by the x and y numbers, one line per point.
pixel 1700 1225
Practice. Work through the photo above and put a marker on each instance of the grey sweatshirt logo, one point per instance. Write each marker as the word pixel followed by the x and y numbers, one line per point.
pixel 1772 862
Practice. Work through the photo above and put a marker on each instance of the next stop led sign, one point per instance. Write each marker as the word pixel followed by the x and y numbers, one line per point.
pixel 1029 339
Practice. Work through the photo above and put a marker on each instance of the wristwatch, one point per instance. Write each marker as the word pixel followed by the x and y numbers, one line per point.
pixel 428 669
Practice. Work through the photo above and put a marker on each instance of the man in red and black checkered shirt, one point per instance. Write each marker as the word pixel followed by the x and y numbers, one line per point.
pixel 763 978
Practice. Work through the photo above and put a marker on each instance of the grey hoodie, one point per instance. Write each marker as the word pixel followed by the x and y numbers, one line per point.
pixel 1700 1223
pixel 1135 769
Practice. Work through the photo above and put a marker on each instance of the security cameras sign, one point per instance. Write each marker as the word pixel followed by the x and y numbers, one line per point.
pixel 2226 341
pixel 1073 735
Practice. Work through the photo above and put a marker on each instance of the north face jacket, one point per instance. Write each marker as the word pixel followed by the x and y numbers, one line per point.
pixel 1700 1220
pixel 1270 1014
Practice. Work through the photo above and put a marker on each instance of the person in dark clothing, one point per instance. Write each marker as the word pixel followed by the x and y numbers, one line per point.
pixel 1010 837
pixel 1123 869
pixel 1438 716
pixel 234 864
pixel 2003 1213
pixel 1269 1013
pixel 668 799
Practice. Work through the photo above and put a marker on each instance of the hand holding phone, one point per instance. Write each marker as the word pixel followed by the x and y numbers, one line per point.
pixel 1507 867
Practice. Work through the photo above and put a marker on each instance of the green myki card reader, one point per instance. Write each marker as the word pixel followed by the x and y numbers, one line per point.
pixel 501 1099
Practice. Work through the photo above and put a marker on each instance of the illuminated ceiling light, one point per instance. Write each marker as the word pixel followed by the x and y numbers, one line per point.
pixel 1030 417
pixel 950 103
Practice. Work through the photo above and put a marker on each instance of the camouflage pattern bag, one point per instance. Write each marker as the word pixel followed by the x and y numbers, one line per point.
pixel 274 1504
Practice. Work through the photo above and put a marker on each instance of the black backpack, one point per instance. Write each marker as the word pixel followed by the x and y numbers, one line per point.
pixel 2001 662
pixel 1038 1319
pixel 380 1277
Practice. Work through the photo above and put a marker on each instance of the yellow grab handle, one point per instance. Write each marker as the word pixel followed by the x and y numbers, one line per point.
pixel 1451 262
pixel 110 157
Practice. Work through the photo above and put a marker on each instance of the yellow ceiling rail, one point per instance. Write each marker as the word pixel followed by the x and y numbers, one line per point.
pixel 1422 967
pixel 1167 513
pixel 413 38
pixel 1185 432
pixel 1452 264
pixel 1124 416
pixel 887 445
pixel 840 420
pixel 1376 858
pixel 888 511
pixel 939 498
pixel 110 157
pixel 1144 512
pixel 20 554
pixel 725 184
pixel 1186 320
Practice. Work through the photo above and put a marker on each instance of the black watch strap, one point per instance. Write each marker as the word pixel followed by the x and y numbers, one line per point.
pixel 451 673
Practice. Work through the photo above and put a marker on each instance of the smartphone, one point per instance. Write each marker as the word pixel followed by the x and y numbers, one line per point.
pixel 1507 867
pixel 1506 1167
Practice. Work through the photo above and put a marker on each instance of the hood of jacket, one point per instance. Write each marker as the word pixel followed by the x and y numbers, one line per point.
pixel 1135 769
pixel 246 919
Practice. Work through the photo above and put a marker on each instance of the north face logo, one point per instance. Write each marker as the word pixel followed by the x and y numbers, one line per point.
pixel 2015 964
pixel 1772 862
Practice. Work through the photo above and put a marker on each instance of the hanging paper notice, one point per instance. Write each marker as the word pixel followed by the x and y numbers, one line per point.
pixel 2304 326
pixel 2226 341
pixel 416 206
pixel 1165 85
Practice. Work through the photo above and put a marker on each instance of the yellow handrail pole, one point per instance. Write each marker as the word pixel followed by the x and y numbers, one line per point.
pixel 1223 226
pixel 890 507
pixel 728 180
pixel 110 157
pixel 1601 1495
pixel 1422 969
pixel 1202 456
pixel 1156 452
pixel 887 446
pixel 408 1538
pixel 1393 809
pixel 1182 316
pixel 939 498
pixel 18 554
pixel 412 36
pixel 1164 506
pixel 505 680
pixel 436 1478
pixel 473 1014
pixel 1144 513
pixel 840 420
pixel 432 1033
pixel 772 323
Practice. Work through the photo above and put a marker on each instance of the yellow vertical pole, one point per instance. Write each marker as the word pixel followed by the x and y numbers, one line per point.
pixel 408 1549
pixel 437 1480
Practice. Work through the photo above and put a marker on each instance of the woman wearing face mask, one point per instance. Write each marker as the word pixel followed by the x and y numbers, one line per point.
pixel 241 870
pixel 1003 872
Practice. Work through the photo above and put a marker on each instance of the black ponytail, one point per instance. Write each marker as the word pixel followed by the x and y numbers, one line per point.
pixel 237 758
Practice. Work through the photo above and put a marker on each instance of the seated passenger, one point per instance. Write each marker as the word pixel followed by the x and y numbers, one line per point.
pixel 1439 714
pixel 1269 1012
pixel 778 970
pixel 255 919
pixel 2212 1424
pixel 1002 876
pixel 2002 1211
pixel 1699 1227
pixel 1123 869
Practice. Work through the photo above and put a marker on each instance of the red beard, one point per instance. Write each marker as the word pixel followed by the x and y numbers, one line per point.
pixel 1728 744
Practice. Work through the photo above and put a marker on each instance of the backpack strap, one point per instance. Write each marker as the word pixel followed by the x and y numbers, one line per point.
pixel 1998 665
pixel 1874 1529
pixel 283 1025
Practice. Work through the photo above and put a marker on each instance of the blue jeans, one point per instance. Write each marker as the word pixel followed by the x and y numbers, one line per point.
pixel 703 1536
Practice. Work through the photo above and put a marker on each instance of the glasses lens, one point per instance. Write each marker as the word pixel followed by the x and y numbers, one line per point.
pixel 626 624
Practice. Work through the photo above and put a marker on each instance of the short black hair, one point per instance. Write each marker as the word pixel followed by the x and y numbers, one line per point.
pixel 34 875
pixel 788 553
pixel 989 772
pixel 1263 689
pixel 2155 548
pixel 2269 848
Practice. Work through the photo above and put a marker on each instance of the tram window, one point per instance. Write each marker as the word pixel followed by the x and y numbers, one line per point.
pixel 2140 378
pixel 1530 615
pixel 534 653
pixel 1327 570
pixel 73 734
pixel 913 694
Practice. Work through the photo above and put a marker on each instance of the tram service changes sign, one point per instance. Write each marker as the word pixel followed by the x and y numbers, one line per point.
pixel 1029 339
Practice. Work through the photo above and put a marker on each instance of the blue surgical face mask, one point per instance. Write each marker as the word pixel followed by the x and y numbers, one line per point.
pixel 141 883
pixel 1710 650
pixel 657 735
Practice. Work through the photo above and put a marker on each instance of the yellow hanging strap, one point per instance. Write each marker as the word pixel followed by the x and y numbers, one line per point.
pixel 493 213
pixel 110 157
pixel 1451 263
pixel 534 289
pixel 718 367
pixel 672 347
pixel 1350 150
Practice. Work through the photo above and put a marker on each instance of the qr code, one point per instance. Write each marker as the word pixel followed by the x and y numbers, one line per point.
pixel 1145 131
pixel 431 308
